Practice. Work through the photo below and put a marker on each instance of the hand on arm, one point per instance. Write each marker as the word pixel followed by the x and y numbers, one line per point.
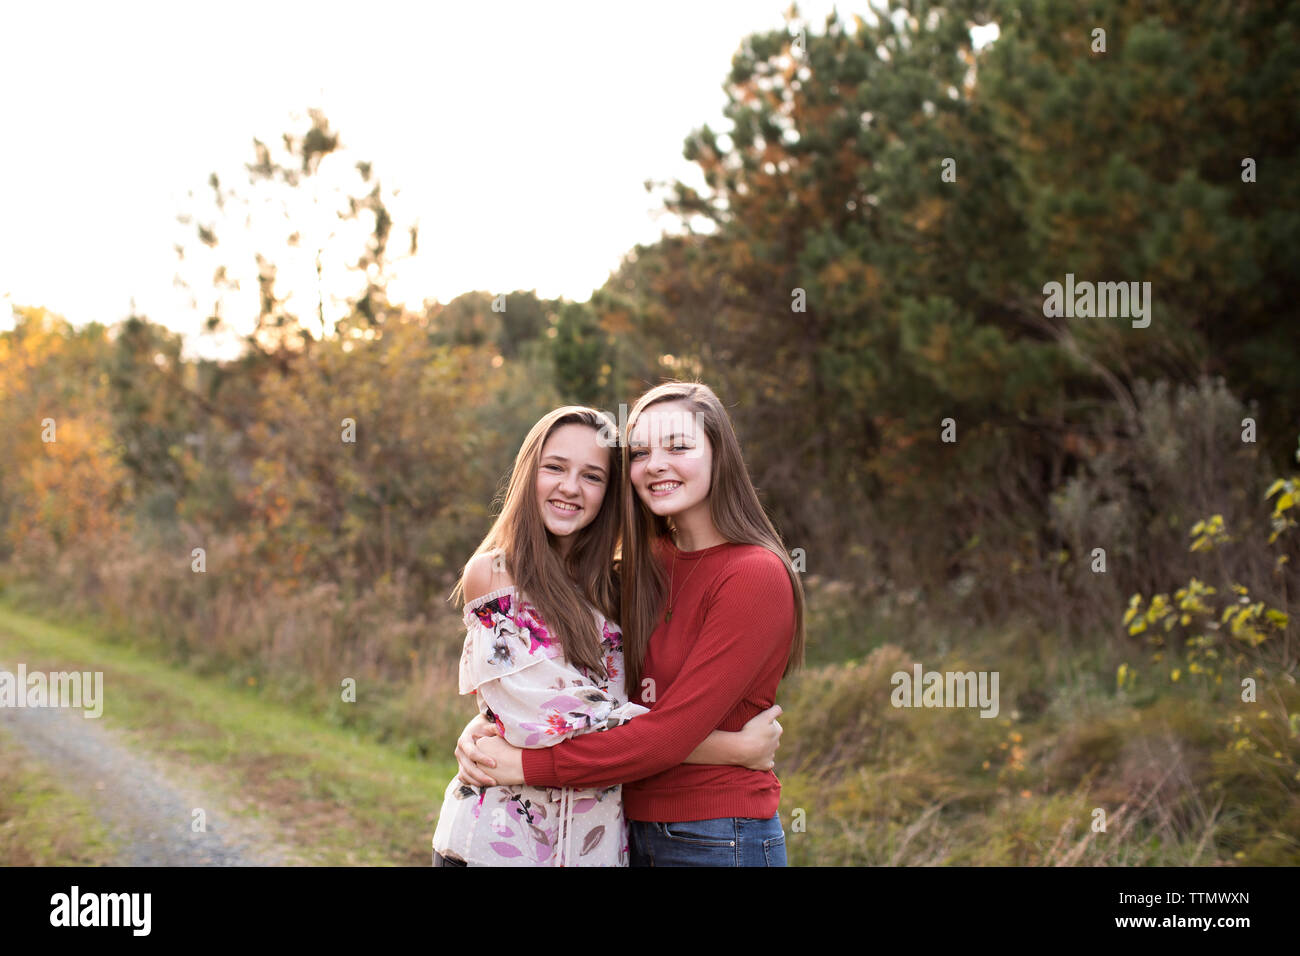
pixel 736 643
pixel 531 693
pixel 507 761
pixel 472 761
pixel 753 746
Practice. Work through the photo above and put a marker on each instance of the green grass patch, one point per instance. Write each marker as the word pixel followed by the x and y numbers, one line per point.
pixel 41 824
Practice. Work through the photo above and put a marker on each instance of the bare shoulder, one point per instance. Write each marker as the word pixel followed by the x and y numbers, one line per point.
pixel 484 573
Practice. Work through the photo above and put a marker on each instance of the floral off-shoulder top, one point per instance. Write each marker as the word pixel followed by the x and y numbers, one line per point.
pixel 536 698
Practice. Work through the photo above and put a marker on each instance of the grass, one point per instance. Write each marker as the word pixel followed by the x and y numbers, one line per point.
pixel 1178 774
pixel 42 824
pixel 338 797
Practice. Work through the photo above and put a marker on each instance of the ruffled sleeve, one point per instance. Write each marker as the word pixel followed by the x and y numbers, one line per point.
pixel 520 674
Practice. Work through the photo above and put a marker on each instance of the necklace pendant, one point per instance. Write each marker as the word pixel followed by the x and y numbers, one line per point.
pixel 669 615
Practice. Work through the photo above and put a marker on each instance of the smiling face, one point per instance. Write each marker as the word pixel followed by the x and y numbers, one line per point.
pixel 572 476
pixel 671 461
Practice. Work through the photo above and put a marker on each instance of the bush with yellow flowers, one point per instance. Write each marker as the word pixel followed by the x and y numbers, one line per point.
pixel 1203 628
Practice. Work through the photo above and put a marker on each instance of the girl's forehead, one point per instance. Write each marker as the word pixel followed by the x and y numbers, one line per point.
pixel 572 434
pixel 660 422
pixel 578 439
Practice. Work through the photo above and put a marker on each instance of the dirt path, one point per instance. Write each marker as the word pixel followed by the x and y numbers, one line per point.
pixel 146 804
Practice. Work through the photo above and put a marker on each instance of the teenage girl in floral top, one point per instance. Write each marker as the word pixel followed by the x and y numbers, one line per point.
pixel 544 657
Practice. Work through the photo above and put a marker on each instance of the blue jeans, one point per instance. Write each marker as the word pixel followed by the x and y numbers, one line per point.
pixel 725 841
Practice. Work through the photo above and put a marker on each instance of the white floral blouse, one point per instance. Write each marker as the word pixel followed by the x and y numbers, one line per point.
pixel 536 699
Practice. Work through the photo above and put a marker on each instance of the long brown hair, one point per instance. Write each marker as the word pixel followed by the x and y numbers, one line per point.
pixel 733 506
pixel 557 586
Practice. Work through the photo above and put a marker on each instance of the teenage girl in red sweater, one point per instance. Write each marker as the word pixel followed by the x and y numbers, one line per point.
pixel 712 618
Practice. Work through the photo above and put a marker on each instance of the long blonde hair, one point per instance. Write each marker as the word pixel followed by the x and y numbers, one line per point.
pixel 733 505
pixel 556 586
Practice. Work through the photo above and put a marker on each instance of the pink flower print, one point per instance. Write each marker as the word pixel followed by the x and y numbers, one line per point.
pixel 612 636
pixel 538 636
pixel 504 603
pixel 538 731
pixel 555 724
pixel 544 850
pixel 611 671
pixel 534 642
pixel 563 702
pixel 558 725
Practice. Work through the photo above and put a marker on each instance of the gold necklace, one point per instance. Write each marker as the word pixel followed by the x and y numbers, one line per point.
pixel 672 573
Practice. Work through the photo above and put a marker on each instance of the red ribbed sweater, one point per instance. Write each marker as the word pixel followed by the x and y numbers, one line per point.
pixel 715 665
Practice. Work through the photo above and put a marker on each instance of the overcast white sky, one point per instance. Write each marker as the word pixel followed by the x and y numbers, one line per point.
pixel 519 134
